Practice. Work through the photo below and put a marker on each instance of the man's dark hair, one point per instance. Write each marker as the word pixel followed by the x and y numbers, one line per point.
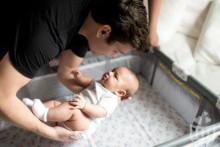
pixel 127 19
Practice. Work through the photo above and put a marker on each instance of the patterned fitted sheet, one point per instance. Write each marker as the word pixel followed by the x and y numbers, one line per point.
pixel 145 121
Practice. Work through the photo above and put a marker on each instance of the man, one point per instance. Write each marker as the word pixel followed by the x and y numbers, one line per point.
pixel 43 29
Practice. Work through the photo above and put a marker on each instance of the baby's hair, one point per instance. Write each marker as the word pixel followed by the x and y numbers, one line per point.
pixel 131 90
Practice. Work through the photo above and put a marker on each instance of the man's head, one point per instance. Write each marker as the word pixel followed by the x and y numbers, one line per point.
pixel 121 81
pixel 122 21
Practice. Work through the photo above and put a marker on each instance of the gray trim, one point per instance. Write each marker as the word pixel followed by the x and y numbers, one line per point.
pixel 190 138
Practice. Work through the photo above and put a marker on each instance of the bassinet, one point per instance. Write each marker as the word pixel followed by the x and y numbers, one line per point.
pixel 171 108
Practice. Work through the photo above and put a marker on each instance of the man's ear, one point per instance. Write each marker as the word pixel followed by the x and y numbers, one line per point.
pixel 104 31
pixel 120 92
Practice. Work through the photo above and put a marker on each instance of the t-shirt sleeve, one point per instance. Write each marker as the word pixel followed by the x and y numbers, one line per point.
pixel 109 103
pixel 79 45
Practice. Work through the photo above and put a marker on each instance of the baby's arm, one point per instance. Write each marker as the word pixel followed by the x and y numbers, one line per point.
pixel 90 109
pixel 81 80
pixel 52 110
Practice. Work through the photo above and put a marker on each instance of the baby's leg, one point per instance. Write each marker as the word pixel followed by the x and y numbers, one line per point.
pixel 52 103
pixel 48 104
pixel 79 121
pixel 73 118
pixel 59 113
pixel 48 111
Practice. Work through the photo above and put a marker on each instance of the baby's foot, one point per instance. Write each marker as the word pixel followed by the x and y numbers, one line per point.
pixel 39 110
pixel 28 102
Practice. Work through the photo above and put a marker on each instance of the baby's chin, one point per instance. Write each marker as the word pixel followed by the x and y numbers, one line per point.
pixel 102 82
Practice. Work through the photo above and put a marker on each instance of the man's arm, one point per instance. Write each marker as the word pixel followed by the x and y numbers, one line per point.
pixel 154 10
pixel 13 110
pixel 69 62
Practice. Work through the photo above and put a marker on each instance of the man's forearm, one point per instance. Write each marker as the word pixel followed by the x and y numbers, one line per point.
pixel 13 110
pixel 154 10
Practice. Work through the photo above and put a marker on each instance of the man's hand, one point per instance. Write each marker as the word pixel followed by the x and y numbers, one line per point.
pixel 64 135
pixel 78 102
pixel 153 39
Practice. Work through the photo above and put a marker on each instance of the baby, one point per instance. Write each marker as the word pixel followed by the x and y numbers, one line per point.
pixel 96 100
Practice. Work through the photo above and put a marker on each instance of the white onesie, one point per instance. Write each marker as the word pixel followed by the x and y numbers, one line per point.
pixel 96 93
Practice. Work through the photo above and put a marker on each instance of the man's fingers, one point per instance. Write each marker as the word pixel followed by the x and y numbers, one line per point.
pixel 73 136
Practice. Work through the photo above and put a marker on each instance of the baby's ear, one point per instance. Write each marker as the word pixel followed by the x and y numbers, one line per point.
pixel 120 92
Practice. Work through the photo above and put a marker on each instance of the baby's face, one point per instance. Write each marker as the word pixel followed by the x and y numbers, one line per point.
pixel 115 79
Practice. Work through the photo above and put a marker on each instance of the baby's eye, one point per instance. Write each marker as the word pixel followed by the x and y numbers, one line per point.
pixel 116 76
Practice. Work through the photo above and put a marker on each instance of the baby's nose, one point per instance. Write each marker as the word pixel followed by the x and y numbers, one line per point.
pixel 110 73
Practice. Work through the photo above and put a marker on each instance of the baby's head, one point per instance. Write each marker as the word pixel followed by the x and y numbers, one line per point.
pixel 121 81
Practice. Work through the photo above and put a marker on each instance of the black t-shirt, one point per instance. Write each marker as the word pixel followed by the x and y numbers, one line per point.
pixel 45 28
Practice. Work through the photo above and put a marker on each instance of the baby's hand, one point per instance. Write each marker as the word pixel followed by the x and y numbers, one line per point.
pixel 76 73
pixel 78 102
